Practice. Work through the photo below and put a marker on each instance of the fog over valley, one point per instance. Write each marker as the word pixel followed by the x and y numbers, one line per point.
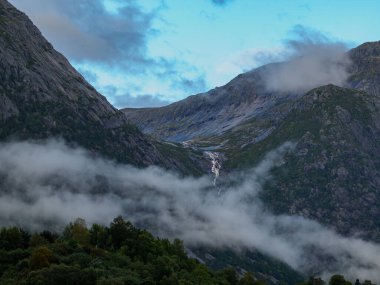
pixel 49 184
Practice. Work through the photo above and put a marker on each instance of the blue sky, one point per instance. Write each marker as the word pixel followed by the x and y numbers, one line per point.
pixel 152 52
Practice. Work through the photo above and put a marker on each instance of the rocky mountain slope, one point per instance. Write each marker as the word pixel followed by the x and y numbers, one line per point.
pixel 331 177
pixel 210 113
pixel 222 109
pixel 365 70
pixel 43 96
pixel 333 174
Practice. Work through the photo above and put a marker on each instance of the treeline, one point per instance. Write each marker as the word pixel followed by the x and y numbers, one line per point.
pixel 118 254
pixel 335 280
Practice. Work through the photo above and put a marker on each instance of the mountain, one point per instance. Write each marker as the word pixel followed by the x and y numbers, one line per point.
pixel 43 96
pixel 365 70
pixel 333 174
pixel 210 113
pixel 219 110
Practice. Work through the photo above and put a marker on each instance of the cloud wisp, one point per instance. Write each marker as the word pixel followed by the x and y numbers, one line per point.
pixel 310 59
pixel 140 101
pixel 87 31
pixel 221 2
pixel 49 183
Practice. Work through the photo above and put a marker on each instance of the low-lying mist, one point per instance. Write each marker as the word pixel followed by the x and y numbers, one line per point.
pixel 45 184
pixel 310 59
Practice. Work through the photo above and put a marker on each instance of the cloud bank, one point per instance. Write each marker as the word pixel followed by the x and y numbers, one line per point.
pixel 45 184
pixel 310 60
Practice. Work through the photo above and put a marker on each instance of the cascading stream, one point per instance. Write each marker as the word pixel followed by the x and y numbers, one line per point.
pixel 215 166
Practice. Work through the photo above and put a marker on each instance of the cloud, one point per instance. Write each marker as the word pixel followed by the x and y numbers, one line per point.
pixel 197 84
pixel 86 30
pixel 310 59
pixel 98 39
pixel 127 100
pixel 246 60
pixel 140 101
pixel 221 2
pixel 182 76
pixel 49 183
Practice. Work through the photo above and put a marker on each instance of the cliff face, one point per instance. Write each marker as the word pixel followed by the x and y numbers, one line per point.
pixel 43 96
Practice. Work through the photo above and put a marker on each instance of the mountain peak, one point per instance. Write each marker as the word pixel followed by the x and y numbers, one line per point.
pixel 368 49
pixel 365 68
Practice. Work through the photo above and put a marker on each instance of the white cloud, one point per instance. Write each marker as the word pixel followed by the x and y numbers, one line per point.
pixel 51 183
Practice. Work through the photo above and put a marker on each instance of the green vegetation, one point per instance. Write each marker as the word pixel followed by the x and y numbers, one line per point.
pixel 30 63
pixel 251 260
pixel 6 36
pixel 304 119
pixel 57 119
pixel 118 254
pixel 186 156
pixel 335 280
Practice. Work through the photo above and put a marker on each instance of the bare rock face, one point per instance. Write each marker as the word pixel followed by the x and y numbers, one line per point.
pixel 43 96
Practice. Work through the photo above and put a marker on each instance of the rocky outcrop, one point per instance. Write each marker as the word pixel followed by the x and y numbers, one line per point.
pixel 365 70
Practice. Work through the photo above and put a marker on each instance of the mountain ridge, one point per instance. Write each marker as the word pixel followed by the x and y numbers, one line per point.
pixel 221 109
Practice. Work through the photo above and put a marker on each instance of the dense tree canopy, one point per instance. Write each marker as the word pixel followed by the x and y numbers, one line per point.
pixel 118 254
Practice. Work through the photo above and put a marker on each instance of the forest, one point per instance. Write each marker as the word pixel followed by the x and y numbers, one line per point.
pixel 118 254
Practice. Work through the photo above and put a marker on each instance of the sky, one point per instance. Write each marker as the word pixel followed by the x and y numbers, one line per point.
pixel 149 53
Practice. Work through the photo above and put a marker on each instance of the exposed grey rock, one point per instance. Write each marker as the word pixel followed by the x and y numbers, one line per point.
pixel 213 112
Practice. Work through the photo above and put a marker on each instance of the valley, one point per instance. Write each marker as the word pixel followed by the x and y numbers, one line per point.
pixel 270 173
